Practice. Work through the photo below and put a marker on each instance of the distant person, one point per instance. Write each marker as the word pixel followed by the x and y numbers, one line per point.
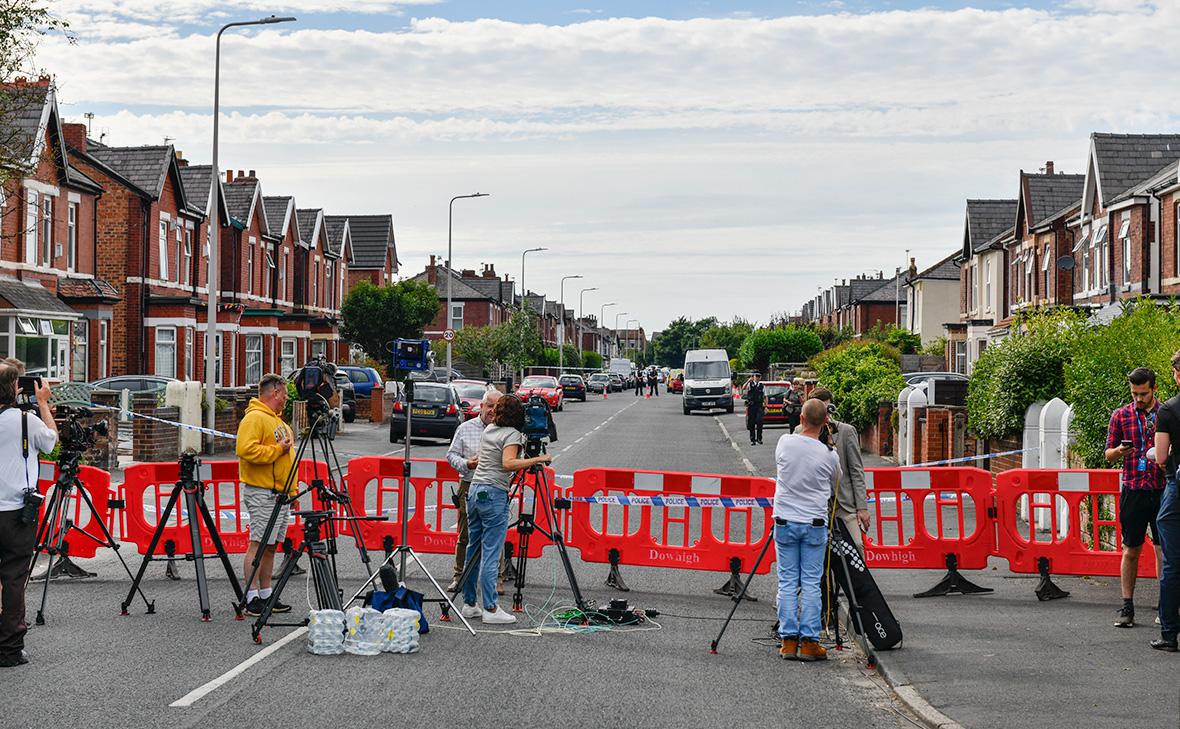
pixel 638 384
pixel 653 383
pixel 793 403
pixel 1168 519
pixel 754 393
pixel 852 506
pixel 806 474
pixel 1128 438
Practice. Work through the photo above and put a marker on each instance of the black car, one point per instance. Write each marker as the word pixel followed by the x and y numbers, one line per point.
pixel 599 382
pixel 573 386
pixel 347 396
pixel 434 413
pixel 438 374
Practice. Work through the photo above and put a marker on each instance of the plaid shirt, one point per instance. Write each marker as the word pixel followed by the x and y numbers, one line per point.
pixel 1127 423
pixel 465 444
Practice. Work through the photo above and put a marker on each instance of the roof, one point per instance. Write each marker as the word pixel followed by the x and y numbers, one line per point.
pixel 496 289
pixel 86 288
pixel 336 225
pixel 144 167
pixel 197 184
pixel 306 219
pixel 986 221
pixel 887 290
pixel 27 103
pixel 33 299
pixel 1165 178
pixel 276 207
pixel 459 288
pixel 372 239
pixel 1049 196
pixel 239 199
pixel 1125 160
pixel 946 270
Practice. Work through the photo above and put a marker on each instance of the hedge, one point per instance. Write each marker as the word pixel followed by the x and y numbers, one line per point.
pixel 861 375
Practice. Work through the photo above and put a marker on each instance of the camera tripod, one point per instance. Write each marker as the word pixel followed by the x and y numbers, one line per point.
pixel 56 524
pixel 323 571
pixel 190 484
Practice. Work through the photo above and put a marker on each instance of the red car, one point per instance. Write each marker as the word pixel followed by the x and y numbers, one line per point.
pixel 775 404
pixel 676 381
pixel 471 394
pixel 544 386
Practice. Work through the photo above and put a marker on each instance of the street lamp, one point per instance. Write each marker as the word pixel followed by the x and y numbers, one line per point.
pixel 561 327
pixel 450 217
pixel 629 323
pixel 215 225
pixel 523 290
pixel 601 314
pixel 581 315
pixel 616 332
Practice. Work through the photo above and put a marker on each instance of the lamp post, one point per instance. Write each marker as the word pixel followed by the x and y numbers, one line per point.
pixel 616 332
pixel 561 327
pixel 601 314
pixel 523 290
pixel 581 314
pixel 629 323
pixel 450 218
pixel 215 225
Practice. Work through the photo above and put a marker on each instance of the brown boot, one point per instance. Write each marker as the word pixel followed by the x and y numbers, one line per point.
pixel 789 649
pixel 810 650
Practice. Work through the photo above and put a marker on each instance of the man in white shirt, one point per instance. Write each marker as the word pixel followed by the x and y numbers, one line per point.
pixel 22 437
pixel 463 457
pixel 807 474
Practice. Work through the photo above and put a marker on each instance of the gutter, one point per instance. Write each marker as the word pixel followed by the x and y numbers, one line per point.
pixel 146 206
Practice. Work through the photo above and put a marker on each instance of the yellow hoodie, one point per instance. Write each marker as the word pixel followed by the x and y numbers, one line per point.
pixel 262 461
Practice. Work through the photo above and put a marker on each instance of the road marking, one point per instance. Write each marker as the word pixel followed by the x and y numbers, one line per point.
pixel 201 692
pixel 590 433
pixel 746 461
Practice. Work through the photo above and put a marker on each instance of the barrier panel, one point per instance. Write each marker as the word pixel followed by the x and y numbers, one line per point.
pixel 1072 545
pixel 706 533
pixel 97 484
pixel 931 518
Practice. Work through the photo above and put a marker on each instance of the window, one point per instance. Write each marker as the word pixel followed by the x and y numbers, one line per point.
pixel 315 284
pixel 1047 270
pixel 1101 258
pixel 987 286
pixel 218 373
pixel 283 277
pixel 47 231
pixel 328 284
pixel 162 246
pixel 180 259
pixel 166 351
pixel 72 237
pixel 269 273
pixel 249 287
pixel 456 321
pixel 961 357
pixel 1126 256
pixel 32 216
pixel 1030 283
pixel 319 348
pixel 253 358
pixel 1086 268
pixel 190 355
pixel 79 372
pixel 188 254
pixel 287 357
pixel 102 349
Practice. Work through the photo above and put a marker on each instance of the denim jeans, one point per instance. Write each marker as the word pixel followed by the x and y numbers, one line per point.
pixel 1168 522
pixel 487 525
pixel 800 549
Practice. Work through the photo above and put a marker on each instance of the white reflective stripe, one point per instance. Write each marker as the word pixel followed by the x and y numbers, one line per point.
pixel 423 469
pixel 45 471
pixel 915 479
pixel 706 485
pixel 1073 481
pixel 649 482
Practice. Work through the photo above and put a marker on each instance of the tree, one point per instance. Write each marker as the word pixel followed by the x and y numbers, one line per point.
pixel 518 342
pixel 728 336
pixel 373 316
pixel 477 347
pixel 786 344
pixel 905 341
pixel 591 360
pixel 860 375
pixel 679 337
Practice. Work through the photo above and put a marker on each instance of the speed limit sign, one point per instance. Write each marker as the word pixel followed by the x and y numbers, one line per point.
pixel 449 335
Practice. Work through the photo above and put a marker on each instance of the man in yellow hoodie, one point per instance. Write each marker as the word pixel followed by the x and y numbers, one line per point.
pixel 264 463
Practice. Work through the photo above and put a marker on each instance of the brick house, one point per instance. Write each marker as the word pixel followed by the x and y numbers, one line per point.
pixel 326 273
pixel 374 250
pixel 932 298
pixel 477 300
pixel 1164 192
pixel 632 339
pixel 882 305
pixel 1045 202
pixel 55 307
pixel 987 230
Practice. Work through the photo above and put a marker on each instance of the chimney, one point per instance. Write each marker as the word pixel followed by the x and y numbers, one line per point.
pixel 467 273
pixel 432 271
pixel 1049 167
pixel 229 176
pixel 252 176
pixel 180 160
pixel 240 174
pixel 75 135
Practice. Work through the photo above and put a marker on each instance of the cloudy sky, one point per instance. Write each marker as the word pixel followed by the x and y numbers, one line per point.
pixel 686 157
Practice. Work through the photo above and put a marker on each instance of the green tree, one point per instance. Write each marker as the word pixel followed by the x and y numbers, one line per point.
pixel 591 360
pixel 728 336
pixel 831 336
pixel 936 348
pixel 677 338
pixel 518 341
pixel 372 316
pixel 785 344
pixel 861 375
pixel 477 347
pixel 903 340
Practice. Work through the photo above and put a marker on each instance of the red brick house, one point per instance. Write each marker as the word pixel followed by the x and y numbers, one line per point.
pixel 476 300
pixel 1044 203
pixel 55 308
pixel 325 272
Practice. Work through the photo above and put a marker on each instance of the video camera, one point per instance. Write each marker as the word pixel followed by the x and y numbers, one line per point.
pixel 410 354
pixel 77 438
pixel 538 426
pixel 316 384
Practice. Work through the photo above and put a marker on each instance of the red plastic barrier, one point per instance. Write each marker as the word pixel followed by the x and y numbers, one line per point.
pixel 700 538
pixel 933 512
pixel 1079 550
pixel 97 484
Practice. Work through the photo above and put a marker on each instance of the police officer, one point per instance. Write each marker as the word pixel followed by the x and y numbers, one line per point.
pixel 653 387
pixel 755 395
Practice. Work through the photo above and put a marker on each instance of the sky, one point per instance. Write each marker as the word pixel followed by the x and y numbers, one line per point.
pixel 685 158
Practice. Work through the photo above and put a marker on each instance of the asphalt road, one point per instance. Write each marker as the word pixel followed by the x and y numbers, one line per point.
pixel 94 668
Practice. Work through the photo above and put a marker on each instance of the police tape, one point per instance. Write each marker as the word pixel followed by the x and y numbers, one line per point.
pixel 132 413
pixel 981 457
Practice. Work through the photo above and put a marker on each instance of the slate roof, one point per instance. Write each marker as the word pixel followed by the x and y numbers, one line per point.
pixel 195 179
pixel 86 288
pixel 239 195
pixel 27 104
pixel 944 270
pixel 460 291
pixel 335 225
pixel 1051 195
pixel 306 218
pixel 496 289
pixel 887 290
pixel 1165 178
pixel 372 236
pixel 31 298
pixel 1125 160
pixel 144 167
pixel 986 221
pixel 276 213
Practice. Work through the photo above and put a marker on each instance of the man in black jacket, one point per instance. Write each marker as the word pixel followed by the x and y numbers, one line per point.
pixel 755 395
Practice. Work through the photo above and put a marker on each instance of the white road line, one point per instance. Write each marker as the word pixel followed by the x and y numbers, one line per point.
pixel 746 461
pixel 201 692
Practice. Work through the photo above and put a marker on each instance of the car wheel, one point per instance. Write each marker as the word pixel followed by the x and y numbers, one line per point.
pixel 730 408
pixel 687 411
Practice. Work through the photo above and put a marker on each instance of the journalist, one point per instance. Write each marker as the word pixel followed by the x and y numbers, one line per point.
pixel 1167 433
pixel 852 505
pixel 499 458
pixel 463 455
pixel 22 437
pixel 807 473
pixel 264 463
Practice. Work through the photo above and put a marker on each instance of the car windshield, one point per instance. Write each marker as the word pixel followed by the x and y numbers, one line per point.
pixel 431 394
pixel 539 382
pixel 599 378
pixel 471 392
pixel 358 376
pixel 776 390
pixel 571 380
pixel 707 370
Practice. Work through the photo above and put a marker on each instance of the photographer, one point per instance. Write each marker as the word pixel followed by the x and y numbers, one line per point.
pixel 807 473
pixel 463 455
pixel 21 439
pixel 264 464
pixel 499 459
pixel 852 506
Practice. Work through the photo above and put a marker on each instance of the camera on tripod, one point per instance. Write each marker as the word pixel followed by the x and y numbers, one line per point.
pixel 410 354
pixel 539 427
pixel 77 438
pixel 315 384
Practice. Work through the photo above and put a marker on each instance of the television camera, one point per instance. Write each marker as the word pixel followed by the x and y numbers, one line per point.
pixel 316 384
pixel 539 427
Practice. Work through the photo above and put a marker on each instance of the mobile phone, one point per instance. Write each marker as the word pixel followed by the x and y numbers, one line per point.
pixel 1126 444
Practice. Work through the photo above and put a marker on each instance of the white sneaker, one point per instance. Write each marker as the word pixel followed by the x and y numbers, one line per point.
pixel 470 611
pixel 500 617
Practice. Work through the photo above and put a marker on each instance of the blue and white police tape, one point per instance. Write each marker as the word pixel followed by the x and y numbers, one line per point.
pixel 199 429
pixel 981 457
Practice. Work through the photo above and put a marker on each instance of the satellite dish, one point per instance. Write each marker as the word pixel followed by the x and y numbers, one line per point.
pixel 1066 263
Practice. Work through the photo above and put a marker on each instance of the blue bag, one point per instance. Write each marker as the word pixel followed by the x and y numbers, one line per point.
pixel 402 597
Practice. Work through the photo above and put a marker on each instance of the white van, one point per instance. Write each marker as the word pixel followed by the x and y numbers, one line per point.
pixel 707 380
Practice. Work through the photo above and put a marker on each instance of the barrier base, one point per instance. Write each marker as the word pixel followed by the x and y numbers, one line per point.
pixel 63 569
pixel 1046 589
pixel 953 582
pixel 733 586
pixel 615 578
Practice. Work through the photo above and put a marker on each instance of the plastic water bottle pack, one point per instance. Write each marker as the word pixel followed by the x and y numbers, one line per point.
pixel 325 632
pixel 401 631
pixel 366 630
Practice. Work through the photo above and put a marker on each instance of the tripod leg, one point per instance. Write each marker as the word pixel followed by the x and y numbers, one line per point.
pixel 555 535
pixel 524 529
pixel 43 535
pixel 161 524
pixel 438 588
pixel 264 616
pixel 211 526
pixel 110 540
pixel 325 579
pixel 62 521
pixel 255 565
pixel 737 600
pixel 349 511
pixel 194 533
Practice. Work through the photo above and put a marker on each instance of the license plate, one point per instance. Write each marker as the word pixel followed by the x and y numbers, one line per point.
pixel 571 389
pixel 774 409
pixel 708 403
pixel 423 411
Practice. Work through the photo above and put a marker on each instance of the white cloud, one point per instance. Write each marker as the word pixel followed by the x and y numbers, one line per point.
pixel 189 11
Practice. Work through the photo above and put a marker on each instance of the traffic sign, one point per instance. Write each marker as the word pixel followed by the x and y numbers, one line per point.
pixel 449 335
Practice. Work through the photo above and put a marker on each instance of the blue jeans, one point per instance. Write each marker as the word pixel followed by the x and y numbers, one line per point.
pixel 487 525
pixel 800 549
pixel 1168 523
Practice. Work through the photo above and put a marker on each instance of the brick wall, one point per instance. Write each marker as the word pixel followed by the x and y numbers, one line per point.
pixel 153 441
pixel 1003 463
pixel 878 439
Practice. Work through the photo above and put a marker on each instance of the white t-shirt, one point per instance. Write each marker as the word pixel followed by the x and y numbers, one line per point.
pixel 806 478
pixel 17 474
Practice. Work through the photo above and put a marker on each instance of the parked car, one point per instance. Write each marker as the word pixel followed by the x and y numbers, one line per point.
pixel 599 382
pixel 618 384
pixel 471 394
pixel 434 412
pixel 546 387
pixel 676 381
pixel 134 383
pixel 438 374
pixel 363 379
pixel 573 386
pixel 347 396
pixel 913 378
pixel 775 393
